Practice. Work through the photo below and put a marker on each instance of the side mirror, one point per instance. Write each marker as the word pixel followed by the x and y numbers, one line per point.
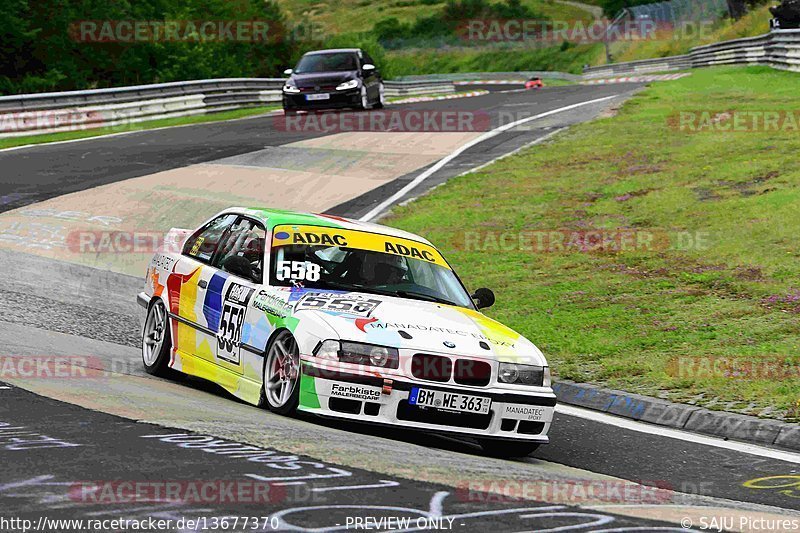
pixel 239 266
pixel 483 298
pixel 288 71
pixel 368 67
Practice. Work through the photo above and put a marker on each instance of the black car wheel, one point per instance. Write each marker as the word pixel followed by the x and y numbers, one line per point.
pixel 156 341
pixel 381 98
pixel 364 105
pixel 280 389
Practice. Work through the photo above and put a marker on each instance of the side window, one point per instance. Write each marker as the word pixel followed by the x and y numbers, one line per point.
pixel 245 240
pixel 203 243
pixel 368 59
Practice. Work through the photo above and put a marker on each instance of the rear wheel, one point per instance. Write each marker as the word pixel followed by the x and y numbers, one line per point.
pixel 156 340
pixel 280 392
pixel 507 448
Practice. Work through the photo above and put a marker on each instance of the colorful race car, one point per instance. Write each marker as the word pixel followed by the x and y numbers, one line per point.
pixel 343 319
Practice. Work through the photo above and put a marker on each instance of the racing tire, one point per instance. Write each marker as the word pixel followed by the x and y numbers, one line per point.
pixel 280 387
pixel 289 112
pixel 506 449
pixel 364 105
pixel 381 98
pixel 157 341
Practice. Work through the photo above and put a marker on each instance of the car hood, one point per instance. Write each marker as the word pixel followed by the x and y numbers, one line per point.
pixel 322 79
pixel 418 325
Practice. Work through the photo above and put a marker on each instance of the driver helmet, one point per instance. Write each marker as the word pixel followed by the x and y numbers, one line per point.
pixel 382 269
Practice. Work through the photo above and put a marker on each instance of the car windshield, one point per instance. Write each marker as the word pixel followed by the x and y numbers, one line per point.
pixel 331 62
pixel 326 258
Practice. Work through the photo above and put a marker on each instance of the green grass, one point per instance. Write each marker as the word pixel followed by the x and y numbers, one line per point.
pixel 668 44
pixel 138 126
pixel 623 318
pixel 444 61
pixel 349 16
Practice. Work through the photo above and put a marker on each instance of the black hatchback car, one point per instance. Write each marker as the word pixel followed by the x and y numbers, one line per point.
pixel 328 79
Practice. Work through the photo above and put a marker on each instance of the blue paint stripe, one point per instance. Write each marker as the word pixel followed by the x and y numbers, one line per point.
pixel 212 305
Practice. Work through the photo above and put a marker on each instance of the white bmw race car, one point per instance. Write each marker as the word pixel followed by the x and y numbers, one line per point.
pixel 342 319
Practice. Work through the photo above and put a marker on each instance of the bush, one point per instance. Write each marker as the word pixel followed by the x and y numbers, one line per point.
pixel 40 51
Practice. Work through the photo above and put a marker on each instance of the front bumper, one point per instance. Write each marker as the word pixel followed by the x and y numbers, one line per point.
pixel 367 397
pixel 337 100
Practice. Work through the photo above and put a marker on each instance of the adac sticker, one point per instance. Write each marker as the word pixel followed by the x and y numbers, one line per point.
pixel 362 240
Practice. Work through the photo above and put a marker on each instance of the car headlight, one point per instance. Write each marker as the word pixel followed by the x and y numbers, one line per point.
pixel 352 84
pixel 291 89
pixel 532 375
pixel 328 350
pixel 358 353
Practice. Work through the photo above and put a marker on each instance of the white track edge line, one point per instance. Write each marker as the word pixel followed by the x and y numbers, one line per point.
pixel 662 431
pixel 377 210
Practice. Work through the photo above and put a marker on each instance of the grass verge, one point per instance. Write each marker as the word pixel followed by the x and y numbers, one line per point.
pixel 10 142
pixel 513 59
pixel 707 312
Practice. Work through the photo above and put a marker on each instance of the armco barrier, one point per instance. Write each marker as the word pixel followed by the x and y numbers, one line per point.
pixel 67 111
pixel 470 76
pixel 778 49
pixel 660 64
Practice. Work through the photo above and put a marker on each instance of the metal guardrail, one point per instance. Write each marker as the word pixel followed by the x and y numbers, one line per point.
pixel 660 64
pixel 470 76
pixel 778 49
pixel 31 114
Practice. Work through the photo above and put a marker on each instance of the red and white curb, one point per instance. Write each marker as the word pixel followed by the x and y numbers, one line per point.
pixel 490 82
pixel 415 99
pixel 626 79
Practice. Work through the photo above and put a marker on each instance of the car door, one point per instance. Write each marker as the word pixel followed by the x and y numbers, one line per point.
pixel 238 263
pixel 188 289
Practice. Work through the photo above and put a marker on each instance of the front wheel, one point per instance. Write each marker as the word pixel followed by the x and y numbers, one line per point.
pixel 364 105
pixel 505 448
pixel 280 392
pixel 156 340
pixel 381 97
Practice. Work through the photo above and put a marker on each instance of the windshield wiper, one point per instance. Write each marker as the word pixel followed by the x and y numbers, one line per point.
pixel 424 296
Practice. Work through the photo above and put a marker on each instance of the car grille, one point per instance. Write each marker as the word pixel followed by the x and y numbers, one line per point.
pixel 440 368
pixel 431 367
pixel 471 372
pixel 322 88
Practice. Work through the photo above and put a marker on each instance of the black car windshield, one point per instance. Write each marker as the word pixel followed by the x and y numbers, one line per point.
pixel 330 62
pixel 326 258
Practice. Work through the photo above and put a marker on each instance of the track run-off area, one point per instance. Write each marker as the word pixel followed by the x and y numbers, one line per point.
pixel 68 443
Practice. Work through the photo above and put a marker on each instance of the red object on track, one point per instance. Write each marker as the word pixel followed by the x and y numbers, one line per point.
pixel 534 83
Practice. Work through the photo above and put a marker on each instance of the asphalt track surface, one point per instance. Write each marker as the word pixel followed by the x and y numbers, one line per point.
pixel 55 442
pixel 95 306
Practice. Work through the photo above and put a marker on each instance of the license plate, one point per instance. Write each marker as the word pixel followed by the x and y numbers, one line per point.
pixel 449 401
pixel 321 96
